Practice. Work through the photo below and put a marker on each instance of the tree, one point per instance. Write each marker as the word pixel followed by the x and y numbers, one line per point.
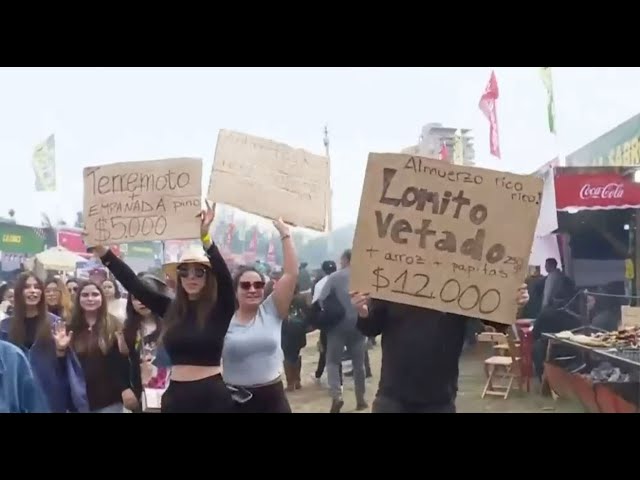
pixel 12 213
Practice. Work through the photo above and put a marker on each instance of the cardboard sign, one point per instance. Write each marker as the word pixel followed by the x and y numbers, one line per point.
pixel 450 238
pixel 140 201
pixel 630 316
pixel 271 179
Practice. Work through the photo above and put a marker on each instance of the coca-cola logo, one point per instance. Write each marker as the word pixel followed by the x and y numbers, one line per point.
pixel 608 191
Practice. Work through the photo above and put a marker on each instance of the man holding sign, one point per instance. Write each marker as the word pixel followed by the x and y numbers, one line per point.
pixel 433 247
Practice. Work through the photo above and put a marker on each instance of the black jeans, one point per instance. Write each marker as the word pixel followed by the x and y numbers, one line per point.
pixel 266 399
pixel 209 395
pixel 384 404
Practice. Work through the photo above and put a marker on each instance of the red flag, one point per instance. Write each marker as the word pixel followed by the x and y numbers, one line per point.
pixel 253 244
pixel 271 253
pixel 230 231
pixel 488 106
pixel 444 152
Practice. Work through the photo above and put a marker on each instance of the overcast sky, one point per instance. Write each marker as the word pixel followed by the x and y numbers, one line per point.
pixel 105 115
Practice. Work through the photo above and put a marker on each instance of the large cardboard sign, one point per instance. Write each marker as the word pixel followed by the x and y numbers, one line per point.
pixel 450 238
pixel 141 201
pixel 271 179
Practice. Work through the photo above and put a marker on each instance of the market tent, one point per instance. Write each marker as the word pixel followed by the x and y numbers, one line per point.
pixel 58 258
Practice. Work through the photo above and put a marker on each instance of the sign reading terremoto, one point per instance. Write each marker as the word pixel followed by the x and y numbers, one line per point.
pixel 451 238
pixel 139 201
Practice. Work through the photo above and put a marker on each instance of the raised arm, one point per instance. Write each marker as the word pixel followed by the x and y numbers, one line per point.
pixel 226 295
pixel 154 301
pixel 283 291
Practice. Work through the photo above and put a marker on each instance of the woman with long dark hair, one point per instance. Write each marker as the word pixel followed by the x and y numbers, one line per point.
pixel 141 335
pixel 252 355
pixel 195 322
pixel 44 338
pixel 95 342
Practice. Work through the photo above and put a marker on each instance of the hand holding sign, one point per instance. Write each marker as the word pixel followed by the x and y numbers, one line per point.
pixel 283 228
pixel 440 236
pixel 360 301
pixel 206 218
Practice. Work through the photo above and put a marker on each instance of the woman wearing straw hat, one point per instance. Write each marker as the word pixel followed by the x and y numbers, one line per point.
pixel 195 322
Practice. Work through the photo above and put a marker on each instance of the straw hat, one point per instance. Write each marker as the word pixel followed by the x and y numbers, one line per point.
pixel 193 254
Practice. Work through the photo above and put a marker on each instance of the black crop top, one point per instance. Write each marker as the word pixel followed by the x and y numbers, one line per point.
pixel 185 343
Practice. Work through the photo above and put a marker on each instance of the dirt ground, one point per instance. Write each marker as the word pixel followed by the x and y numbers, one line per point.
pixel 314 398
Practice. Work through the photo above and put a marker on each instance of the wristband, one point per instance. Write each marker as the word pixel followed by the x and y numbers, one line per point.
pixel 284 237
pixel 206 239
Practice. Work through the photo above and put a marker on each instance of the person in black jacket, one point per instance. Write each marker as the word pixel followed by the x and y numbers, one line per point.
pixel 421 349
pixel 328 267
pixel 294 339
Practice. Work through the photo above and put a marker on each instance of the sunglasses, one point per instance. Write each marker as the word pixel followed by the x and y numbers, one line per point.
pixel 198 272
pixel 255 285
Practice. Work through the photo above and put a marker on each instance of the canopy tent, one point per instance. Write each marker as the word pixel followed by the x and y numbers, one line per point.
pixel 58 258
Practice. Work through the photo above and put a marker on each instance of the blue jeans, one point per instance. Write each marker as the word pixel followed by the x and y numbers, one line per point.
pixel 114 408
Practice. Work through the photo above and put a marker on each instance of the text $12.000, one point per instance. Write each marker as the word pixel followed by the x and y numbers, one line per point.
pixel 118 228
pixel 467 298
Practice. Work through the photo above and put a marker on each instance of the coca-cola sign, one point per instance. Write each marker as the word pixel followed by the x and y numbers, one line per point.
pixel 595 191
pixel 605 192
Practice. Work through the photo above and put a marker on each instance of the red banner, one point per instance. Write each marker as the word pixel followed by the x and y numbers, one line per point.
pixel 271 253
pixel 74 242
pixel 604 191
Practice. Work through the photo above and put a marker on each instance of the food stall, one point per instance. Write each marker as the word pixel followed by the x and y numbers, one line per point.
pixel 600 369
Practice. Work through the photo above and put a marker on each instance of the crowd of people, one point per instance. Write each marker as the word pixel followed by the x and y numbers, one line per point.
pixel 216 343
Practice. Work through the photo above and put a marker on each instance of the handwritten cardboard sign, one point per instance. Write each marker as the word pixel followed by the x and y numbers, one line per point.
pixel 630 316
pixel 271 179
pixel 139 201
pixel 450 238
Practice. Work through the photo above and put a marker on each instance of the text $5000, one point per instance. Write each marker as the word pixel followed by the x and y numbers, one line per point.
pixel 118 228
